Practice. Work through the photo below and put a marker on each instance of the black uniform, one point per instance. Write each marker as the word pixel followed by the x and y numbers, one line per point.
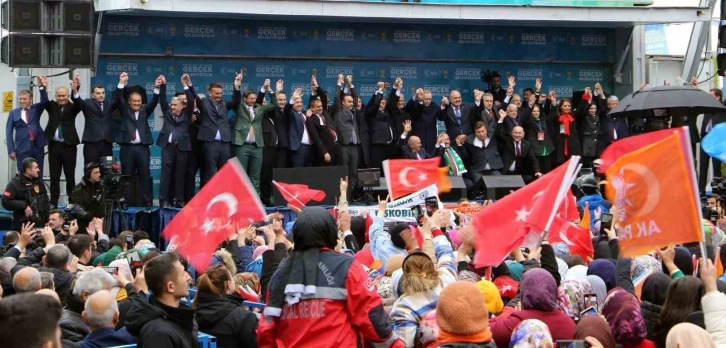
pixel 89 197
pixel 62 140
pixel 22 192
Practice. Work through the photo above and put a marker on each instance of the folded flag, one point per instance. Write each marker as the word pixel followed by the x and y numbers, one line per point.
pixel 298 195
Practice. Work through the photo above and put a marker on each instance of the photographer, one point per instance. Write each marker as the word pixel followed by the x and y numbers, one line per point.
pixel 26 196
pixel 57 223
pixel 87 196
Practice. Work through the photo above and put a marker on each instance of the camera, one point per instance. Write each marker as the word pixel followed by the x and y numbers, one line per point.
pixel 718 186
pixel 486 76
pixel 113 182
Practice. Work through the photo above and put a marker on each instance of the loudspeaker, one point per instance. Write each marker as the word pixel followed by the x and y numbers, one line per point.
pixel 24 50
pixel 74 17
pixel 76 52
pixel 22 15
pixel 326 179
pixel 498 186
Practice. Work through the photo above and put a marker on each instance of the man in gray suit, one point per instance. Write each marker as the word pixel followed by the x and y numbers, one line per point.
pixel 347 129
pixel 481 152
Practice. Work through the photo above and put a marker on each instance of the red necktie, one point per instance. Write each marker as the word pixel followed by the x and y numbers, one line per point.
pixel 27 120
pixel 332 133
pixel 519 153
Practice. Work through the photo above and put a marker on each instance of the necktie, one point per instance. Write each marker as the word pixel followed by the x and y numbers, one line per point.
pixel 251 133
pixel 100 105
pixel 353 138
pixel 60 132
pixel 27 120
pixel 458 114
pixel 325 123
pixel 133 134
pixel 519 152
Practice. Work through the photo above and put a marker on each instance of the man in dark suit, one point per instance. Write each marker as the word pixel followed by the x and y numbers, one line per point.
pixel 381 133
pixel 323 136
pixel 98 134
pixel 411 147
pixel 496 89
pixel 269 154
pixel 488 113
pixel 347 128
pixel 63 138
pixel 518 157
pixel 299 138
pixel 456 116
pixel 709 121
pixel 508 120
pixel 29 140
pixel 215 131
pixel 482 153
pixel 424 113
pixel 175 144
pixel 195 159
pixel 364 156
pixel 135 137
pixel 279 119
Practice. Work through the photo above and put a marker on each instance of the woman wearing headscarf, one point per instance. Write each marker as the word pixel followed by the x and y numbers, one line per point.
pixel 682 299
pixel 423 281
pixel 596 327
pixel 652 298
pixel 713 304
pixel 538 291
pixel 462 318
pixel 576 272
pixel 531 333
pixel 599 289
pixel 121 293
pixel 604 269
pixel 304 298
pixel 571 297
pixel 686 335
pixel 622 312
pixel 492 297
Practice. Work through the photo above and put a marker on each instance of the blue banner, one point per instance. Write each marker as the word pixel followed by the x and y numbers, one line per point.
pixel 655 39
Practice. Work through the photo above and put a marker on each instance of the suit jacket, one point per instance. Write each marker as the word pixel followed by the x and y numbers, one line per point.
pixel 479 157
pixel 396 116
pixel 215 120
pixel 489 118
pixel 245 121
pixel 454 128
pixel 526 163
pixel 179 126
pixel 65 118
pixel 378 122
pixel 407 153
pixel 345 123
pixel 277 119
pixel 296 128
pixel 423 122
pixel 269 132
pixel 98 123
pixel 321 135
pixel 21 142
pixel 714 119
pixel 130 124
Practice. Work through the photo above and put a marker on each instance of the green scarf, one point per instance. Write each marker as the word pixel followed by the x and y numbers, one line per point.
pixel 454 162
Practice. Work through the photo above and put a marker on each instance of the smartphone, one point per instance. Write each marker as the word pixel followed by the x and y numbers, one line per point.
pixel 571 344
pixel 590 300
pixel 419 213
pixel 134 260
pixel 432 204
pixel 606 221
pixel 110 270
pixel 589 311
pixel 129 242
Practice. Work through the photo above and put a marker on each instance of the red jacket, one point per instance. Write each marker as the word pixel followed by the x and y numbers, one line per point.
pixel 349 305
pixel 562 327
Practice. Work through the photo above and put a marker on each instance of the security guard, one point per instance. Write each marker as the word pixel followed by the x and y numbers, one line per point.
pixel 88 196
pixel 26 196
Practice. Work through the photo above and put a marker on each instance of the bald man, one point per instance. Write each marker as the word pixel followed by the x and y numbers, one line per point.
pixel 27 280
pixel 411 145
pixel 62 140
pixel 101 314
pixel 49 292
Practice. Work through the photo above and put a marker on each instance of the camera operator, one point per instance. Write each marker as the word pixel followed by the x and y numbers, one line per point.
pixel 61 230
pixel 713 202
pixel 26 196
pixel 87 196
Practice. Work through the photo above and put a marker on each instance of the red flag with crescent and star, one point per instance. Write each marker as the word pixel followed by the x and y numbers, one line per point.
pixel 226 202
pixel 298 195
pixel 577 238
pixel 407 176
pixel 521 215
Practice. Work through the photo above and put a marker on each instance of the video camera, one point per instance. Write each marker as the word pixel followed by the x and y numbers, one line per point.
pixel 114 183
pixel 718 186
pixel 486 76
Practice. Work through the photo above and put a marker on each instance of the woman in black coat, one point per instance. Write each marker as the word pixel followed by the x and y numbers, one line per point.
pixel 219 311
pixel 567 137
pixel 589 122
pixel 537 132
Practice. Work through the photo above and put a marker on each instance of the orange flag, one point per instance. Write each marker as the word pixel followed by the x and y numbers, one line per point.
pixel 585 221
pixel 654 190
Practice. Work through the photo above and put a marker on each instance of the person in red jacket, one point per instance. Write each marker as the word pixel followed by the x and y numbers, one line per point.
pixel 321 298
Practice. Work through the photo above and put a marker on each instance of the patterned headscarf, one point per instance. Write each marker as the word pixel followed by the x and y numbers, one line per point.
pixel 538 290
pixel 643 264
pixel 622 312
pixel 562 250
pixel 469 276
pixel 562 268
pixel 250 279
pixel 571 296
pixel 531 333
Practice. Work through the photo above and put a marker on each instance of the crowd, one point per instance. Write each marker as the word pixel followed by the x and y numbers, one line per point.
pixel 336 280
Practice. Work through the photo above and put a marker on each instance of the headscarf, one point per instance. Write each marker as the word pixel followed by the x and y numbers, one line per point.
pixel 687 335
pixel 395 262
pixel 683 261
pixel 491 296
pixel 396 282
pixel 594 326
pixel 643 264
pixel 538 290
pixel 469 276
pixel 576 272
pixel 531 333
pixel 259 251
pixel 571 296
pixel 622 312
pixel 515 270
pixel 358 228
pixel 297 276
pixel 385 288
pixel 562 250
pixel 395 233
pixel 123 268
pixel 599 289
pixel 248 279
pixel 605 270
pixel 655 288
pixel 562 268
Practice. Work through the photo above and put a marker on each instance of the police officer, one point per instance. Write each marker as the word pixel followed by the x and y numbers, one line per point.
pixel 26 196
pixel 87 196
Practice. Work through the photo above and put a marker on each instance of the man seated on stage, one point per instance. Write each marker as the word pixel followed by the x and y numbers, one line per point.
pixel 518 157
pixel 482 154
pixel 450 157
pixel 411 148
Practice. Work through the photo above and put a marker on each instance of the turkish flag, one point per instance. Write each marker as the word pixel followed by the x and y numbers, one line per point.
pixel 520 215
pixel 577 238
pixel 568 209
pixel 407 176
pixel 627 145
pixel 227 201
pixel 298 195
pixel 655 191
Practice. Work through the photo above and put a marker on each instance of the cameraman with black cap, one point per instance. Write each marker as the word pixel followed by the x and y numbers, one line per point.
pixel 26 196
pixel 87 196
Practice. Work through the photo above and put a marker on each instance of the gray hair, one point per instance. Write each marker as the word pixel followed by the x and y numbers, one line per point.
pixel 512 107
pixel 32 284
pixel 58 256
pixel 92 281
pixel 6 266
pixel 612 98
pixel 46 280
pixel 99 319
pixel 487 95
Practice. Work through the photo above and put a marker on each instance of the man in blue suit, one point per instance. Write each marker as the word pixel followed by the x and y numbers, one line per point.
pixel 29 140
pixel 298 136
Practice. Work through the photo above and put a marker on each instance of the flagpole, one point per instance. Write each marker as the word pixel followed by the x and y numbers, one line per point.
pixel 692 170
pixel 574 162
pixel 283 189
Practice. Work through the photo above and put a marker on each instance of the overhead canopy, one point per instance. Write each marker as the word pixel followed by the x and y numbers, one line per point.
pixel 515 15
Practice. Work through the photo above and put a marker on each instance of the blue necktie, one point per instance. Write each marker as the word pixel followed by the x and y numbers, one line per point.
pixel 458 114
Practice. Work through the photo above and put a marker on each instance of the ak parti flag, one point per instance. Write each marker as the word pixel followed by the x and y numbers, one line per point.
pixel 655 192
pixel 407 176
pixel 506 224
pixel 298 195
pixel 576 237
pixel 227 201
pixel 627 145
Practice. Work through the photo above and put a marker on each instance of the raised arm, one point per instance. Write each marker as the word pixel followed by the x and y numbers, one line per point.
pixel 159 88
pixel 43 82
pixel 237 94
pixel 162 98
pixel 336 96
pixel 189 92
